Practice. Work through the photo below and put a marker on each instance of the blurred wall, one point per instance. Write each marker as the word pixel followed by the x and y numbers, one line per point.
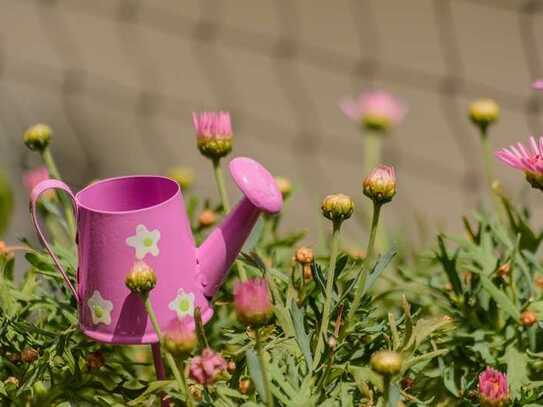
pixel 118 80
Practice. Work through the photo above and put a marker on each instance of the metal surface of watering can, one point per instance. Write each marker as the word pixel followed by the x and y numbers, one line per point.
pixel 121 221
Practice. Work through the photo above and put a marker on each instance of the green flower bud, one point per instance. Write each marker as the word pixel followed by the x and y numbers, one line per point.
pixel 184 176
pixel 141 278
pixel 215 148
pixel 38 137
pixel 484 112
pixel 284 185
pixel 337 207
pixel 380 184
pixel 386 362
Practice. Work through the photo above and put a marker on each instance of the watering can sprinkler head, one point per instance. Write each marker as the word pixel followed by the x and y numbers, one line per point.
pixel 221 248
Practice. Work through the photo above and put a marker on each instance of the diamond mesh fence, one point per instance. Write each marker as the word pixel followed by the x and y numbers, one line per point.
pixel 118 79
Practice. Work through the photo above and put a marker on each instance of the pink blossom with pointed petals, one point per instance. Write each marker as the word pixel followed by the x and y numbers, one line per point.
pixel 493 388
pixel 377 105
pixel 33 177
pixel 252 301
pixel 212 125
pixel 538 84
pixel 206 368
pixel 524 159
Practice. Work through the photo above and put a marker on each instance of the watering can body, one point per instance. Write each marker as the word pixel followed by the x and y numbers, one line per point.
pixel 125 220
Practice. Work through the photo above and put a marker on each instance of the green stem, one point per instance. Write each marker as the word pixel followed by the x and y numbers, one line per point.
pixel 220 185
pixel 263 368
pixel 152 315
pixel 386 390
pixel 190 402
pixel 66 204
pixel 169 358
pixel 359 290
pixel 372 157
pixel 328 293
pixel 179 378
pixel 487 153
pixel 202 338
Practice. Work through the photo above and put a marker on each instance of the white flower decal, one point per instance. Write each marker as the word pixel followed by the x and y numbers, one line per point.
pixel 183 304
pixel 144 241
pixel 100 309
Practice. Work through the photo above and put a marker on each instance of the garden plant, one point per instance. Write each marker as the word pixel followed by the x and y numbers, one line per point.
pixel 454 324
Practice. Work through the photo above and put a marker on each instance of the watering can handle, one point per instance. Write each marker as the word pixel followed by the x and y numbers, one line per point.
pixel 36 192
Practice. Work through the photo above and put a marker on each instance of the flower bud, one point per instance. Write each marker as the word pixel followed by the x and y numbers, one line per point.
pixel 245 385
pixel 33 177
pixel 528 318
pixel 207 218
pixel 308 273
pixel 304 255
pixel 195 392
pixel 539 282
pixel 504 270
pixel 493 388
pixel 407 383
pixel 231 366
pixel 12 380
pixel 252 302
pixel 332 342
pixel 484 112
pixel 29 355
pixel 213 133
pixel 180 337
pixel 380 184
pixel 337 207
pixel 141 278
pixel 206 368
pixel 95 360
pixel 182 175
pixel 37 137
pixel 284 185
pixel 386 362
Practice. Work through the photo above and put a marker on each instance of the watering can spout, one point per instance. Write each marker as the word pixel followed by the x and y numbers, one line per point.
pixel 222 246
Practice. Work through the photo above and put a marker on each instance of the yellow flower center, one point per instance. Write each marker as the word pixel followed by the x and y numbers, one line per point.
pixel 147 242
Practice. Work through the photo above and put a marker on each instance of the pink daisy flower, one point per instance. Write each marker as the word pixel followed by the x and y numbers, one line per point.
pixel 530 161
pixel 538 84
pixel 212 125
pixel 375 109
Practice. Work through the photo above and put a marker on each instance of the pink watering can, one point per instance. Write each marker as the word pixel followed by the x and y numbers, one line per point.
pixel 124 220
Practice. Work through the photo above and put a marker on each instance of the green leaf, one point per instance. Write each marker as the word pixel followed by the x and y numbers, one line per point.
pixel 517 370
pixel 378 269
pixel 449 265
pixel 503 301
pixel 256 373
pixel 302 338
